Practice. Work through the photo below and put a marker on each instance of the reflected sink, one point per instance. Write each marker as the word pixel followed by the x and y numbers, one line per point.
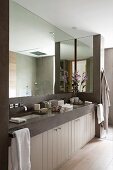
pixel 77 106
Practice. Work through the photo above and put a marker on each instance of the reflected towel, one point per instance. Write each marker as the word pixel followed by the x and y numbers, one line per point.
pixel 100 113
pixel 20 150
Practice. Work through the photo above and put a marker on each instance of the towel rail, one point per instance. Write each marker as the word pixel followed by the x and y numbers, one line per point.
pixel 12 135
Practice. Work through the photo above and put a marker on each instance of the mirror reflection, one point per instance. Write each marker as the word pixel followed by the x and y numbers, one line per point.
pixel 67 65
pixel 85 64
pixel 30 75
pixel 32 52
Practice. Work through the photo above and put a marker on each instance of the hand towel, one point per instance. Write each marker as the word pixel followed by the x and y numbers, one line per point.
pixel 17 120
pixel 100 113
pixel 20 150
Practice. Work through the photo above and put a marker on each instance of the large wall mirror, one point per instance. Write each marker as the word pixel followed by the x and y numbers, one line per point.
pixel 76 62
pixel 85 64
pixel 32 53
pixel 67 65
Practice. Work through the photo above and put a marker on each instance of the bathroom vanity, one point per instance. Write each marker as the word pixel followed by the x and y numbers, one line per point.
pixel 56 137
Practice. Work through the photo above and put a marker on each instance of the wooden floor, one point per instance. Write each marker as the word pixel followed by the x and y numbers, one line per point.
pixel 97 155
pixel 109 136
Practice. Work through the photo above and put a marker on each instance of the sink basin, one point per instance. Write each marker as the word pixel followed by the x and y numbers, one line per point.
pixel 30 116
pixel 39 113
pixel 77 106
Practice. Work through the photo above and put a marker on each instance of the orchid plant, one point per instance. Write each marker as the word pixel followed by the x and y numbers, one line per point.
pixel 83 82
pixel 76 81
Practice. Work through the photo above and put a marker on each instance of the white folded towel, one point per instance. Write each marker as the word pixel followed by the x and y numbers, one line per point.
pixel 17 120
pixel 66 107
pixel 20 150
pixel 60 102
pixel 100 113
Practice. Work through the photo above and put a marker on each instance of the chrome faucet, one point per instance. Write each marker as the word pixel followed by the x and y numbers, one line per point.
pixel 25 107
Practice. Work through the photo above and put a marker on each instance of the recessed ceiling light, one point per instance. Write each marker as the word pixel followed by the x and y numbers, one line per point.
pixel 52 33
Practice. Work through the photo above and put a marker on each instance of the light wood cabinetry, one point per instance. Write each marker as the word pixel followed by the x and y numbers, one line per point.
pixel 52 148
pixel 36 152
pixel 60 145
pixel 70 138
pixel 49 149
pixel 77 134
pixel 45 150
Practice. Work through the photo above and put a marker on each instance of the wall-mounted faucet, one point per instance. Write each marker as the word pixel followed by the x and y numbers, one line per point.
pixel 25 107
pixel 17 106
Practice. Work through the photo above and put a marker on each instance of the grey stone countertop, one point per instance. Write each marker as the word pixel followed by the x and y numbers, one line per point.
pixel 48 121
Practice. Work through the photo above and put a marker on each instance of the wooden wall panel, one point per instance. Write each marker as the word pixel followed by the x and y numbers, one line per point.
pixel 4 83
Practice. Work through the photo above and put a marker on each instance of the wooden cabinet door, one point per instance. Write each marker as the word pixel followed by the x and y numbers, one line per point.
pixel 44 150
pixel 85 129
pixel 59 145
pixel 55 147
pixel 73 136
pixel 89 126
pixel 82 131
pixel 49 149
pixel 66 138
pixel 70 138
pixel 93 120
pixel 92 125
pixel 77 135
pixel 36 152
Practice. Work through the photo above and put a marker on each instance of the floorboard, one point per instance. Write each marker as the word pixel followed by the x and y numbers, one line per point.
pixel 96 155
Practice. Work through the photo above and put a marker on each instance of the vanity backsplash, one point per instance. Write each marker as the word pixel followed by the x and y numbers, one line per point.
pixel 19 104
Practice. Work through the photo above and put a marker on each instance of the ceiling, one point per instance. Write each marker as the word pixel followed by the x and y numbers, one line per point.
pixel 29 33
pixel 76 17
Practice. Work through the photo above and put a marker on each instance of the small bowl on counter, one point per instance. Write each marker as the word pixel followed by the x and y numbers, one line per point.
pixel 41 111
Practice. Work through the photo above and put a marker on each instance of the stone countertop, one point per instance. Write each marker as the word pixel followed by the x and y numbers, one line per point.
pixel 51 120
